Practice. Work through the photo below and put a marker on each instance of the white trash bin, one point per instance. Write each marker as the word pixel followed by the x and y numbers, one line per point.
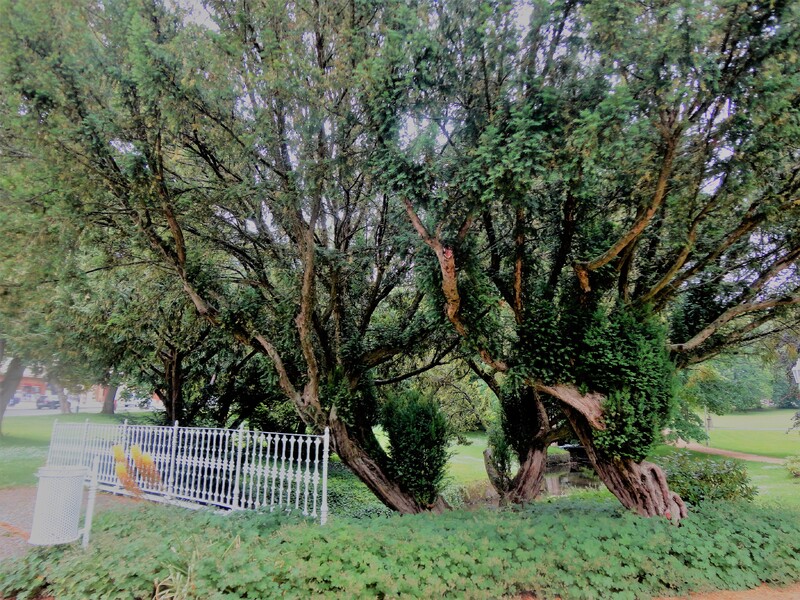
pixel 58 505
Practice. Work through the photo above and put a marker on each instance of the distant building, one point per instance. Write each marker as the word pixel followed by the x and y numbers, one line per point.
pixel 30 386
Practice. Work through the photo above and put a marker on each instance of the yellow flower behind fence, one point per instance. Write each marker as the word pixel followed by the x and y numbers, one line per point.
pixel 143 463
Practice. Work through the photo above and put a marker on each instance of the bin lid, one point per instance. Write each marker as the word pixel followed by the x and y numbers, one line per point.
pixel 55 471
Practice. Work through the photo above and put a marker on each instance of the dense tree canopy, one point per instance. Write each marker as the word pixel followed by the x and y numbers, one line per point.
pixel 576 196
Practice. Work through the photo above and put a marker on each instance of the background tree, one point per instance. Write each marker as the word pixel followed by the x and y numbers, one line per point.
pixel 728 383
pixel 239 161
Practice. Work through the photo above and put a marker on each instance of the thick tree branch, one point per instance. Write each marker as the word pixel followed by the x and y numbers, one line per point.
pixel 452 298
pixel 728 316
pixel 588 405
pixel 639 224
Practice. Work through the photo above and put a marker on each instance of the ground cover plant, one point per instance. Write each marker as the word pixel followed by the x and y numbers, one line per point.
pixel 577 549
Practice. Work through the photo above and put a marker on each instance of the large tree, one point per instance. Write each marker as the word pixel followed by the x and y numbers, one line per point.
pixel 609 195
pixel 239 159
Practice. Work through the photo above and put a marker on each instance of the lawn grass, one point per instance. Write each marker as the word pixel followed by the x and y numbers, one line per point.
pixel 779 419
pixel 761 432
pixel 776 486
pixel 466 462
pixel 24 445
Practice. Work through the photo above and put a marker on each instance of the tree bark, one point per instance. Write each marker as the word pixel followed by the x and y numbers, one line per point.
pixel 173 380
pixel 108 400
pixel 638 486
pixel 63 402
pixel 526 484
pixel 11 379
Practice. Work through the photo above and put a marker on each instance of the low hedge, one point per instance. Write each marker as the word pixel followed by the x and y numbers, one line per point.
pixel 702 478
pixel 575 549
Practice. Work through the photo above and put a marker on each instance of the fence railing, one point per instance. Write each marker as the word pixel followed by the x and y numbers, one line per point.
pixel 229 468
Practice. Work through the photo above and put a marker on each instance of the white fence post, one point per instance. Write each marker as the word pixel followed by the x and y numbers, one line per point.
pixel 237 476
pixel 324 508
pixel 172 449
pixel 83 440
pixel 87 521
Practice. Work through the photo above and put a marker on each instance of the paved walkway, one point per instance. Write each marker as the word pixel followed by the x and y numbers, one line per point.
pixel 730 454
pixel 16 517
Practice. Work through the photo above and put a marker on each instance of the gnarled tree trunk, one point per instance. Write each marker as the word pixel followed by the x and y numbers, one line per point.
pixel 373 475
pixel 526 484
pixel 638 486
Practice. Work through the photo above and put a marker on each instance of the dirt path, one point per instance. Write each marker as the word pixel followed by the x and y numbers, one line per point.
pixel 761 593
pixel 730 454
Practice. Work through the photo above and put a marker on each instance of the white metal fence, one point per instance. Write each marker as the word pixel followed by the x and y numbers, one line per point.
pixel 229 468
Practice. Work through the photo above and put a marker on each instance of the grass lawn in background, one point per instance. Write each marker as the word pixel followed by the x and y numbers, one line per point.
pixel 761 432
pixel 776 486
pixel 466 462
pixel 25 441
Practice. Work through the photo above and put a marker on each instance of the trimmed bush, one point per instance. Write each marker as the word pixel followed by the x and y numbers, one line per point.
pixel 700 479
pixel 419 438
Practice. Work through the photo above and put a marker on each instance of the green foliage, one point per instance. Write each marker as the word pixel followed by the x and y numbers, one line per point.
pixel 686 424
pixel 571 548
pixel 517 418
pixel 625 358
pixel 501 450
pixel 727 383
pixel 793 465
pixel 702 479
pixel 465 399
pixel 545 344
pixel 349 498
pixel 419 436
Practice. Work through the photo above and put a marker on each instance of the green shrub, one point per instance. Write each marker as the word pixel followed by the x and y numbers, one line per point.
pixel 793 464
pixel 699 479
pixel 567 548
pixel 419 438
